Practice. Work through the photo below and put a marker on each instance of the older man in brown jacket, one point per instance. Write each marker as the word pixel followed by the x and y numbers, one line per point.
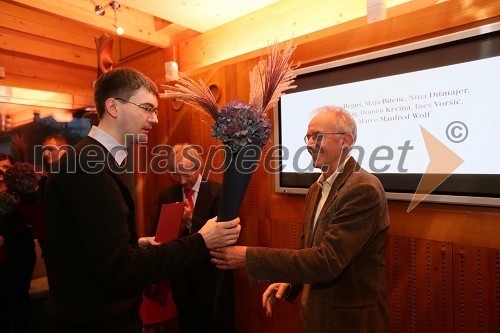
pixel 340 268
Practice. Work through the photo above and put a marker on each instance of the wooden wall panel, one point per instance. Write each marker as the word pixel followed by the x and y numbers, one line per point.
pixel 398 277
pixel 448 223
pixel 286 234
pixel 442 287
pixel 286 317
pixel 250 235
pixel 494 290
pixel 250 317
pixel 148 185
pixel 475 288
pixel 434 286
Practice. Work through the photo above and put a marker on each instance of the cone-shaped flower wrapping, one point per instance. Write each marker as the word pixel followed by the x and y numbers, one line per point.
pixel 239 169
pixel 243 128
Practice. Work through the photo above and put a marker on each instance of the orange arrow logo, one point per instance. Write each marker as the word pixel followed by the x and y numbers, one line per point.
pixel 443 161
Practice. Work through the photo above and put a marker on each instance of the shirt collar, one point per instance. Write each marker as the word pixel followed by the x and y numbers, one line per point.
pixel 118 151
pixel 196 186
pixel 326 184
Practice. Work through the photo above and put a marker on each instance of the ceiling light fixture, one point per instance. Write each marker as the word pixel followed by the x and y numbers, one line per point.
pixel 99 10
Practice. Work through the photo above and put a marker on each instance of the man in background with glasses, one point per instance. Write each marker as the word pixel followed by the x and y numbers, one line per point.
pixel 194 293
pixel 340 267
pixel 97 267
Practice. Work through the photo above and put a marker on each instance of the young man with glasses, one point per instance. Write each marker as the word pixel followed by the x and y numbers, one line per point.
pixel 96 268
pixel 340 267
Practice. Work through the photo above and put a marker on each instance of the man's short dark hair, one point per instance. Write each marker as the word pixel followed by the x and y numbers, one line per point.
pixel 120 82
pixel 58 138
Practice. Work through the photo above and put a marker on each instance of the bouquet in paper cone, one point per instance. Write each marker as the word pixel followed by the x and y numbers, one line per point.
pixel 244 128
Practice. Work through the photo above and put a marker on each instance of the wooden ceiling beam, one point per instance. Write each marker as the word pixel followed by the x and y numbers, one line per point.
pixel 46 48
pixel 48 26
pixel 199 16
pixel 281 21
pixel 34 83
pixel 29 72
pixel 25 114
pixel 138 25
pixel 30 97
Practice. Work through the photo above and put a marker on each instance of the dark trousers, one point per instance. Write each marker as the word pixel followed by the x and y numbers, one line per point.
pixel 15 278
pixel 122 324
pixel 197 317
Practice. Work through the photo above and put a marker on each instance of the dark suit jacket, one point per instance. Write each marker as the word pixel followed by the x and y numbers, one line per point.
pixel 199 308
pixel 201 280
pixel 95 269
pixel 18 258
pixel 341 266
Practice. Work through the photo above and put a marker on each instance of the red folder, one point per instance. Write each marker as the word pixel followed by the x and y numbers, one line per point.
pixel 158 305
pixel 169 222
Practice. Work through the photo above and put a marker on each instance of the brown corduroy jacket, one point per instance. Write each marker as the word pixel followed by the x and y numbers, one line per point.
pixel 340 268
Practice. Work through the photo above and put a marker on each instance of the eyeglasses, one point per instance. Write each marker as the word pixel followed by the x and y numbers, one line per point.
pixel 318 136
pixel 151 110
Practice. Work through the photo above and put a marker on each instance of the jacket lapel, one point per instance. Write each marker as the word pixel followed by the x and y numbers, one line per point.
pixel 115 172
pixel 127 197
pixel 314 194
pixel 339 182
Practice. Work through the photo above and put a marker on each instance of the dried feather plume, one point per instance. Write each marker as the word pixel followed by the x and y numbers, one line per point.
pixel 238 124
pixel 198 95
pixel 269 79
pixel 20 148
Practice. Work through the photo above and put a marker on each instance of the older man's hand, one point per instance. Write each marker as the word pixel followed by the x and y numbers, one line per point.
pixel 229 257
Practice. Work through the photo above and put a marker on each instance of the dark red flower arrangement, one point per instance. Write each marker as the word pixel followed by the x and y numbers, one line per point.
pixel 240 124
pixel 21 178
pixel 7 202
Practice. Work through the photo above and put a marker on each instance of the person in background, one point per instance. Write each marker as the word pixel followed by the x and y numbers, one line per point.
pixel 96 266
pixel 54 147
pixel 5 163
pixel 201 307
pixel 17 248
pixel 340 268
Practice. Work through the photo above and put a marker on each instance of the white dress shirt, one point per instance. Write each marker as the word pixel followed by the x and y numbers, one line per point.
pixel 117 150
pixel 326 186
